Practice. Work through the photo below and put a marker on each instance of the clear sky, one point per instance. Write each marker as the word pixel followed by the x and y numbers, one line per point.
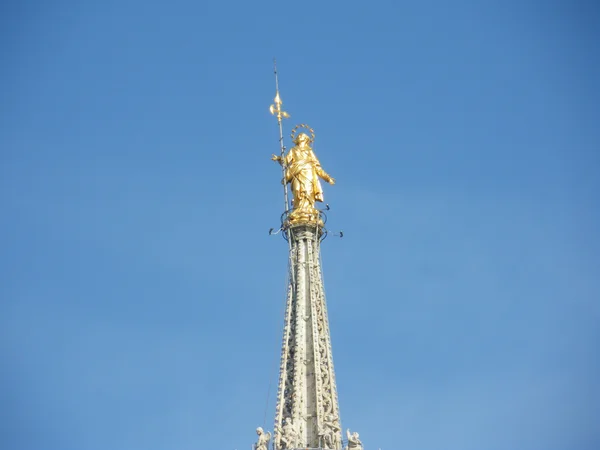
pixel 142 298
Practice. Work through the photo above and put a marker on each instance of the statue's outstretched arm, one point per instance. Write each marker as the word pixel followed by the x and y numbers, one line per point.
pixel 324 175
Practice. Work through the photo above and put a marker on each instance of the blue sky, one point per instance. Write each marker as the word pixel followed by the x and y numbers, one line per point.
pixel 142 298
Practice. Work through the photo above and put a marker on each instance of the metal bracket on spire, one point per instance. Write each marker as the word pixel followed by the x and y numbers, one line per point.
pixel 323 218
pixel 325 231
pixel 271 233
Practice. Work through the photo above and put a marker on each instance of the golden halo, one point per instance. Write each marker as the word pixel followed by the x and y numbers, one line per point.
pixel 303 125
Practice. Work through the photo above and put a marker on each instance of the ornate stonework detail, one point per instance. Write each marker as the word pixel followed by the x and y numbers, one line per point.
pixel 286 436
pixel 307 392
pixel 263 439
pixel 354 442
pixel 330 432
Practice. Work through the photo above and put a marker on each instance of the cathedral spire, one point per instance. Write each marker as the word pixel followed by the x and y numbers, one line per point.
pixel 307 414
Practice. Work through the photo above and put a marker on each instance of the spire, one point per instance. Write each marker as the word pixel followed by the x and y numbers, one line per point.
pixel 307 413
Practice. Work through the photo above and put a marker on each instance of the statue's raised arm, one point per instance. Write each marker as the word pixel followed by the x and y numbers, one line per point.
pixel 354 442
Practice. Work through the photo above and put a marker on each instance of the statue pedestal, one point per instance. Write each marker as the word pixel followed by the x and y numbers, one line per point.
pixel 304 217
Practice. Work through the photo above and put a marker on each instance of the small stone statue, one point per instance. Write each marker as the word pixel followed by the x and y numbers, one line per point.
pixel 329 432
pixel 263 439
pixel 287 436
pixel 353 441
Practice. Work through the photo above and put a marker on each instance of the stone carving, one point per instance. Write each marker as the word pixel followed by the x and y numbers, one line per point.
pixel 263 439
pixel 354 442
pixel 330 433
pixel 286 436
pixel 306 352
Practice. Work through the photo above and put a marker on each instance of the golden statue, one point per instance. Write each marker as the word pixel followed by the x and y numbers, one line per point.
pixel 302 171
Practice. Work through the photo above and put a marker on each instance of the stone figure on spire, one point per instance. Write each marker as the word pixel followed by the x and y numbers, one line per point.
pixel 330 432
pixel 286 436
pixel 354 442
pixel 263 439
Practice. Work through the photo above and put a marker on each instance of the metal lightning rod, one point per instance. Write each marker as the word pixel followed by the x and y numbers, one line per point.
pixel 280 114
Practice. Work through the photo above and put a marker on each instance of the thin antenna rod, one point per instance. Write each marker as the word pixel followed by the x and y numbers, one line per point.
pixel 276 79
pixel 277 111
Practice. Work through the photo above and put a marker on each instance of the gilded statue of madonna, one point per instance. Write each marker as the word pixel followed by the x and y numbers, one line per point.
pixel 302 172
